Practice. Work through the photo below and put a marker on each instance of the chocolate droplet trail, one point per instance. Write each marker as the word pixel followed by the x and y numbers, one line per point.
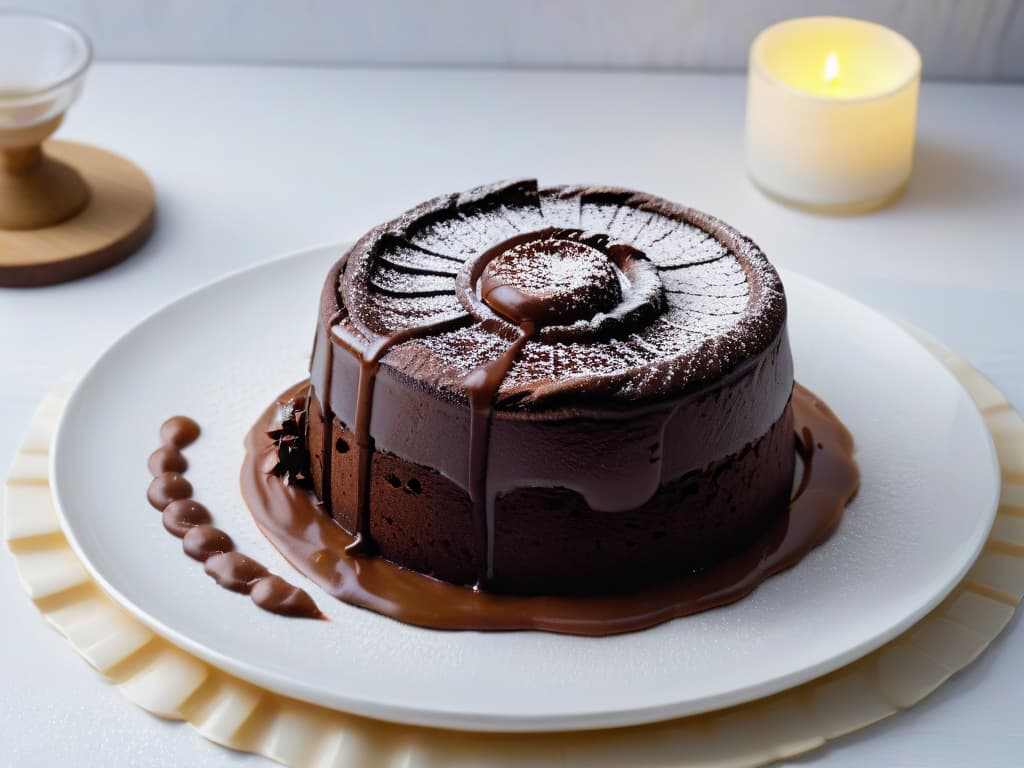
pixel 168 487
pixel 192 522
pixel 181 515
pixel 205 541
pixel 274 594
pixel 235 571
pixel 166 458
pixel 179 431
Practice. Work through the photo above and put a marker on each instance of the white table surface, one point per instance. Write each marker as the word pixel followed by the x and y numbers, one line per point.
pixel 250 163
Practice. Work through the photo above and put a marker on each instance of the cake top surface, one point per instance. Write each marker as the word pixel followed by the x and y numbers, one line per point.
pixel 624 296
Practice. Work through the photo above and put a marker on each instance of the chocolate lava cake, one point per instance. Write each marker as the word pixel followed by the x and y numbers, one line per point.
pixel 567 390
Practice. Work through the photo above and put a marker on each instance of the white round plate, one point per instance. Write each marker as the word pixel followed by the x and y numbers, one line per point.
pixel 221 354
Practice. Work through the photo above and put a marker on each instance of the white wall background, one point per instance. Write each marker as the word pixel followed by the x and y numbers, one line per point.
pixel 974 39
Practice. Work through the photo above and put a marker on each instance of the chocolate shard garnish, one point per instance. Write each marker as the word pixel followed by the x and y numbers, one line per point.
pixel 290 459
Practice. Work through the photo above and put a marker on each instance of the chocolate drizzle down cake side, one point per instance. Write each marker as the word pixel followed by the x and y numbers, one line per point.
pixel 570 391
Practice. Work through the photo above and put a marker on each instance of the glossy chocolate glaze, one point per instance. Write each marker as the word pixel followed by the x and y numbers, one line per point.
pixel 182 515
pixel 167 487
pixel 293 520
pixel 235 571
pixel 166 458
pixel 179 432
pixel 481 386
pixel 274 594
pixel 529 306
pixel 368 359
pixel 203 541
pixel 190 521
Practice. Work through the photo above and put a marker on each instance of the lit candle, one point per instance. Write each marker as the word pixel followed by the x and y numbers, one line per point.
pixel 831 109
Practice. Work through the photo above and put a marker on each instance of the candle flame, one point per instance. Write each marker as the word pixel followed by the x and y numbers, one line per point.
pixel 831 67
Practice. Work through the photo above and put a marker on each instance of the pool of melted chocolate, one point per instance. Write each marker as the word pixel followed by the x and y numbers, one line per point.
pixel 294 521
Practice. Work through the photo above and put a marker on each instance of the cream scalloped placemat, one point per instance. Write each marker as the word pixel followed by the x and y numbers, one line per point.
pixel 157 676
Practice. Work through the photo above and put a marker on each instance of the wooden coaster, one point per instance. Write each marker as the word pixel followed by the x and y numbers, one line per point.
pixel 116 222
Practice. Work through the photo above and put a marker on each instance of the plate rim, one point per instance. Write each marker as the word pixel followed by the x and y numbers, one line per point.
pixel 399 712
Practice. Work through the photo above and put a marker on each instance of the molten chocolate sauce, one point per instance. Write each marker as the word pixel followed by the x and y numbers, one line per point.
pixel 315 544
pixel 481 385
pixel 190 521
pixel 369 363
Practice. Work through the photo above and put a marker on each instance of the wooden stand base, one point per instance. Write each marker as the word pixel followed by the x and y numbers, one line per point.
pixel 116 222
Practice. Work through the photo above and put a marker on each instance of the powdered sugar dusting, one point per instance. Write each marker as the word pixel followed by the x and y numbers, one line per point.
pixel 629 223
pixel 405 257
pixel 488 229
pixel 686 246
pixel 596 217
pixel 444 359
pixel 551 271
pixel 561 210
pixel 525 218
pixel 389 312
pixel 658 227
pixel 399 283
pixel 447 237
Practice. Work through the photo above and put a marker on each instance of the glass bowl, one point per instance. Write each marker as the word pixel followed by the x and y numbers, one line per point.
pixel 42 67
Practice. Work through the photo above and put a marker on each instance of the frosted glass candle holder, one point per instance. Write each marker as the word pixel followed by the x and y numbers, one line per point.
pixel 831 113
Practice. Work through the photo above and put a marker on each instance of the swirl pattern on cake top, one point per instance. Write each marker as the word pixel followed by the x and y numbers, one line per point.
pixel 652 297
